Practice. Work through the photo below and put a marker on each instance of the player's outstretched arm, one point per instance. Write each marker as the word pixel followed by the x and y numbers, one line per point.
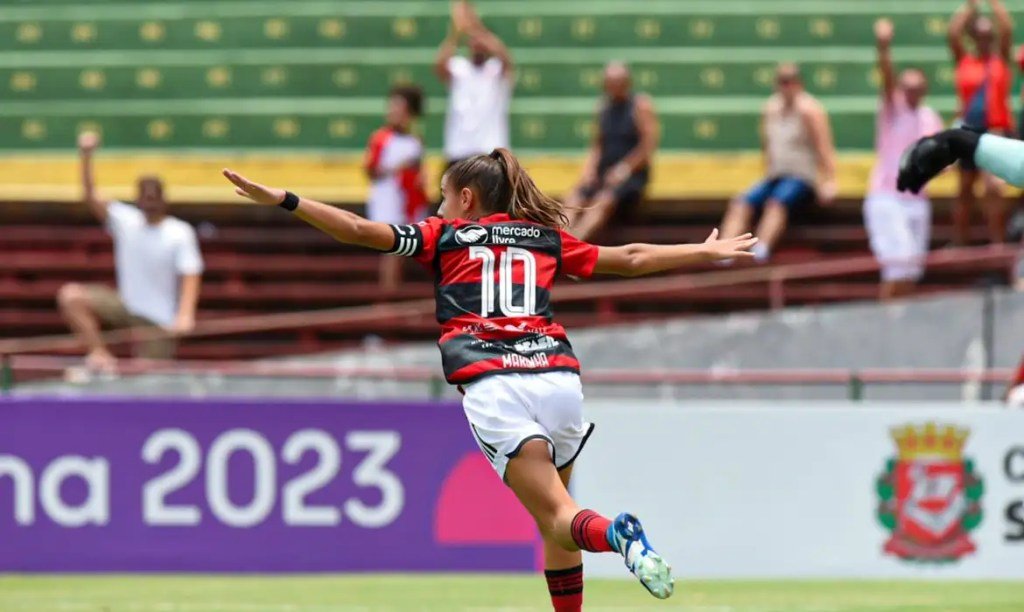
pixel 639 259
pixel 1003 157
pixel 342 225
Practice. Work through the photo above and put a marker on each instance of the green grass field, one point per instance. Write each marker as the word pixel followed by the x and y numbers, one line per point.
pixel 448 593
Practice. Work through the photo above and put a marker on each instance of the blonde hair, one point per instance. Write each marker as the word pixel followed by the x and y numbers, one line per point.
pixel 503 186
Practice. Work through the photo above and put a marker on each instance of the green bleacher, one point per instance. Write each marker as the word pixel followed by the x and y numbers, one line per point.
pixel 238 74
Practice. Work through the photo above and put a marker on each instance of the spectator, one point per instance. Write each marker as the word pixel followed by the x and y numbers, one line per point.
pixel 394 164
pixel 617 169
pixel 151 251
pixel 800 158
pixel 898 224
pixel 983 86
pixel 479 87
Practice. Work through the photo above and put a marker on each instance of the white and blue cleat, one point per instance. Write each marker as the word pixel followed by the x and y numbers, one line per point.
pixel 627 536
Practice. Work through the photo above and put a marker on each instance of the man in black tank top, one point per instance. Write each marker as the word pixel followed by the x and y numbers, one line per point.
pixel 618 165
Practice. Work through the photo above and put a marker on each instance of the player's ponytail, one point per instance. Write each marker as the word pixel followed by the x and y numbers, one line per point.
pixel 503 186
pixel 528 201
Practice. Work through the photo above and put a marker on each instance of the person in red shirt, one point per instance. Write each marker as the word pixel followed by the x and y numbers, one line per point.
pixel 393 163
pixel 983 81
pixel 495 252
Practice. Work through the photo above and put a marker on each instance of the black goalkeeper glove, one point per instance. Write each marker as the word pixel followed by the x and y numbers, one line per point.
pixel 931 155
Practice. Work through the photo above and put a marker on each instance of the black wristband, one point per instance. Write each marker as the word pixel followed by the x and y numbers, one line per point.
pixel 291 201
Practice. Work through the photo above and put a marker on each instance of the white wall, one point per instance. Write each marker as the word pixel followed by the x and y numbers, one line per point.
pixel 762 490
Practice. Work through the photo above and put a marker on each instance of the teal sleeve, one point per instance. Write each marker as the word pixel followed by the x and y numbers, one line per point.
pixel 1003 157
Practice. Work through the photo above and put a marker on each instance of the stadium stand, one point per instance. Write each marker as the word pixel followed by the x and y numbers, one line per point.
pixel 307 270
pixel 309 77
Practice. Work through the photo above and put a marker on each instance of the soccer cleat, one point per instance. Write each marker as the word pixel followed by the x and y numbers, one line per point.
pixel 626 535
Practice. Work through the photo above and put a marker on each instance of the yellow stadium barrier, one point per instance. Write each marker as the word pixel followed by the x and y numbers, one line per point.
pixel 195 178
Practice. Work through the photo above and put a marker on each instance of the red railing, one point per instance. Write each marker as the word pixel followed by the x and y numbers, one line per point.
pixel 854 380
pixel 604 293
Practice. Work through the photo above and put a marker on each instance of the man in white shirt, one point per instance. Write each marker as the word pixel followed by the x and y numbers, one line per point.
pixel 479 87
pixel 158 266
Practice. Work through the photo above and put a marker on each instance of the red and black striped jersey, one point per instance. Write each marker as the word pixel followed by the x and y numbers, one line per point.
pixel 493 280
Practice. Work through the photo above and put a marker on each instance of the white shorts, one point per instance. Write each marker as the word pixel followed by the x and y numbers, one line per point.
pixel 899 229
pixel 505 411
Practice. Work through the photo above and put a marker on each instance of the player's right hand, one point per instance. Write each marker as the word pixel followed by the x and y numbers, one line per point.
pixel 261 194
pixel 88 141
pixel 729 248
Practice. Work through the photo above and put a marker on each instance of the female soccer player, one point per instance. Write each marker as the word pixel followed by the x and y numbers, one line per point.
pixel 495 250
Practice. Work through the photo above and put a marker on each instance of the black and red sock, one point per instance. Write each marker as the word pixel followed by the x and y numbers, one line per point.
pixel 566 588
pixel 590 531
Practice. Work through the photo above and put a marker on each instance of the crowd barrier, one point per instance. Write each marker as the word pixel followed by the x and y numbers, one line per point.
pixel 606 295
pixel 47 375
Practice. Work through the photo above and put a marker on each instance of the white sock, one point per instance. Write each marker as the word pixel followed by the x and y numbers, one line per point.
pixel 761 252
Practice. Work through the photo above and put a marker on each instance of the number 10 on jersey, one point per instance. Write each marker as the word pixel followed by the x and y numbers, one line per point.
pixel 506 289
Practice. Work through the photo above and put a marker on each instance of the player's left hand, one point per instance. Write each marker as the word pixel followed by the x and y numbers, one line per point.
pixel 261 194
pixel 729 248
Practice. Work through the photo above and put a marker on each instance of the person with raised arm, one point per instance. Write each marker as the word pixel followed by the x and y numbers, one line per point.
pixel 158 266
pixel 898 224
pixel 479 86
pixel 983 79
